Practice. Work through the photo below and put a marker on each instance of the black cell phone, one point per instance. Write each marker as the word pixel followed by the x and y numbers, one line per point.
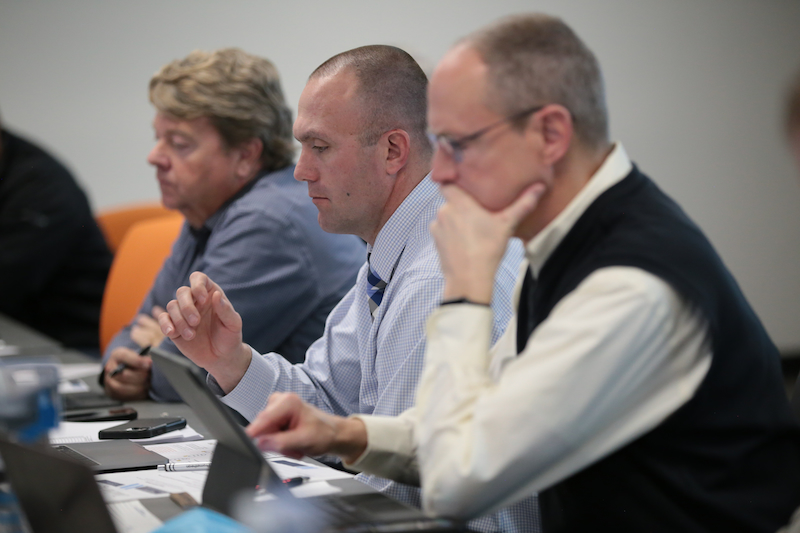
pixel 101 415
pixel 143 428
pixel 88 400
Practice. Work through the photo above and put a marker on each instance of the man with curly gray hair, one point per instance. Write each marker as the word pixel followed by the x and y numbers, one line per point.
pixel 223 159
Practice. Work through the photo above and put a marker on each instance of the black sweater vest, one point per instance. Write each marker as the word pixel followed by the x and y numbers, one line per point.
pixel 729 459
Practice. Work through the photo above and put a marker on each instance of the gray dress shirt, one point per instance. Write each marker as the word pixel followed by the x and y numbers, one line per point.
pixel 281 272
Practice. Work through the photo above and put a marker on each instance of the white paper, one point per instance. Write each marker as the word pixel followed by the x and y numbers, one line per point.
pixel 71 432
pixel 286 468
pixel 180 435
pixel 185 452
pixel 146 484
pixel 306 490
pixel 133 517
pixel 68 372
pixel 73 385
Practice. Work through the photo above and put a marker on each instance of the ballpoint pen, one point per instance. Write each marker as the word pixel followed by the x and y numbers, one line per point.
pixel 183 467
pixel 120 367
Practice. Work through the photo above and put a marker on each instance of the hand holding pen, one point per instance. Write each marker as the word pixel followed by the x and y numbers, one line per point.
pixel 122 366
pixel 127 374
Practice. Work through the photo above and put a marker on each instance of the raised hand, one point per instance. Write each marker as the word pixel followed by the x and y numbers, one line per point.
pixel 206 328
pixel 472 240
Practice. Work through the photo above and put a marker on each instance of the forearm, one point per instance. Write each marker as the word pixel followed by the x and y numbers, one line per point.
pixel 616 357
pixel 266 374
pixel 390 448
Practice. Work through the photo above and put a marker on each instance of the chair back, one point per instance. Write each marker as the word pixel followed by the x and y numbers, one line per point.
pixel 115 222
pixel 136 264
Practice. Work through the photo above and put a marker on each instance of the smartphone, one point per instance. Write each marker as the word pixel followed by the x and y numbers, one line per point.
pixel 143 428
pixel 88 400
pixel 102 415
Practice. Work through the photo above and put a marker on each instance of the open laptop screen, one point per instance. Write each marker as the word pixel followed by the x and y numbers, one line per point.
pixel 237 463
pixel 56 494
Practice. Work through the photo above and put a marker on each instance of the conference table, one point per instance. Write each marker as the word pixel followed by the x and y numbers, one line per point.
pixel 19 340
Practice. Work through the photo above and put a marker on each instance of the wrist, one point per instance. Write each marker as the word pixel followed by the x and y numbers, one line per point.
pixel 477 293
pixel 350 440
pixel 230 371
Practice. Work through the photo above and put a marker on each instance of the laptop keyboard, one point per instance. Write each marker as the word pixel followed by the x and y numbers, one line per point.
pixel 347 518
pixel 340 511
pixel 75 456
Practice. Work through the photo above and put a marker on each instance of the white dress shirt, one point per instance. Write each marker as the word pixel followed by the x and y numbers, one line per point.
pixel 613 359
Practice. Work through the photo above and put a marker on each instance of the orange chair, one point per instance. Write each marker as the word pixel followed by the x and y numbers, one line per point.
pixel 115 222
pixel 136 264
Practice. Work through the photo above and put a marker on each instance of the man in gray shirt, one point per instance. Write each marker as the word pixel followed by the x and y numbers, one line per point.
pixel 223 158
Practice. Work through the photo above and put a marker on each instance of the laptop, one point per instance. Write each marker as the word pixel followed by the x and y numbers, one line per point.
pixel 118 455
pixel 238 465
pixel 57 495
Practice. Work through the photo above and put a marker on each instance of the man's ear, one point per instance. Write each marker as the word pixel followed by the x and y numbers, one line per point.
pixel 554 124
pixel 249 158
pixel 398 149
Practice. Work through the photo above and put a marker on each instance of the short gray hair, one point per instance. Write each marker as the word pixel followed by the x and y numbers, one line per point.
pixel 536 60
pixel 240 94
pixel 392 88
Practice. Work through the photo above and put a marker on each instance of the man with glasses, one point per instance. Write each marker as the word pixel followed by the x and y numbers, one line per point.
pixel 365 158
pixel 638 390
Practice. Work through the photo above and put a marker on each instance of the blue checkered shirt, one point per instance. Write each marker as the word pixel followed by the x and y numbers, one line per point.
pixel 372 365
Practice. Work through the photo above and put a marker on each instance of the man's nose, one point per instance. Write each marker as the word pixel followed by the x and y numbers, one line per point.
pixel 444 167
pixel 304 169
pixel 157 158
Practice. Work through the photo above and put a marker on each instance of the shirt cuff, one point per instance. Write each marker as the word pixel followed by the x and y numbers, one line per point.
pixel 250 395
pixel 461 332
pixel 390 451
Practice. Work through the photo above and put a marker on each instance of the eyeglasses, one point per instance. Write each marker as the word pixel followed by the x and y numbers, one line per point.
pixel 454 148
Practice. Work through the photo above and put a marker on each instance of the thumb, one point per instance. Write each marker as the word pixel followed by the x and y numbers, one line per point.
pixel 525 204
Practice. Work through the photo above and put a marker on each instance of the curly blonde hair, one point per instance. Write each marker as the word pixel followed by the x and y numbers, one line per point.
pixel 240 93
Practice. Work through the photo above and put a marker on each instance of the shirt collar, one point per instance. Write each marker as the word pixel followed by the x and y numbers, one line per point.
pixel 391 240
pixel 615 167
pixel 213 220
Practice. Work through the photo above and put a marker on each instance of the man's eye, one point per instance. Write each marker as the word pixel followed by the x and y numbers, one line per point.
pixel 319 149
pixel 180 145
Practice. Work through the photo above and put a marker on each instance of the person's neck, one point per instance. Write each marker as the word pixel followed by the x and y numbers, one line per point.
pixel 570 176
pixel 197 217
pixel 406 181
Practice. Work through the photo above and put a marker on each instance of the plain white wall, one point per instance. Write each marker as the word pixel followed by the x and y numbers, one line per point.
pixel 695 92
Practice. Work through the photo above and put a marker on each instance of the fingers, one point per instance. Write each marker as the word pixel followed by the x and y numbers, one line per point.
pixel 127 375
pixel 156 311
pixel 173 324
pixel 287 426
pixel 129 358
pixel 280 410
pixel 225 311
pixel 202 286
pixel 524 204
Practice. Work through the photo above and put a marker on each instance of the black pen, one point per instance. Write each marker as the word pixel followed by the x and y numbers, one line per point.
pixel 120 367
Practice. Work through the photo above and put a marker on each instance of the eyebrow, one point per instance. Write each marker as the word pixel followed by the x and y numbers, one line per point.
pixel 310 134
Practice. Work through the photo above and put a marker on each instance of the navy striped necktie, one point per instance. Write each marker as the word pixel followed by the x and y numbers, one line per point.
pixel 375 287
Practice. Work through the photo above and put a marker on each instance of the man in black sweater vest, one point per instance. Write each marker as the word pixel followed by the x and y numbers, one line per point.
pixel 638 390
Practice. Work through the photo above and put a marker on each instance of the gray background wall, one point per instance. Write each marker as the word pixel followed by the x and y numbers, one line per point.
pixel 695 92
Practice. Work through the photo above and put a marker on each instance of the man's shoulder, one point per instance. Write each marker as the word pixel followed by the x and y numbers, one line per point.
pixel 276 198
pixel 27 161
